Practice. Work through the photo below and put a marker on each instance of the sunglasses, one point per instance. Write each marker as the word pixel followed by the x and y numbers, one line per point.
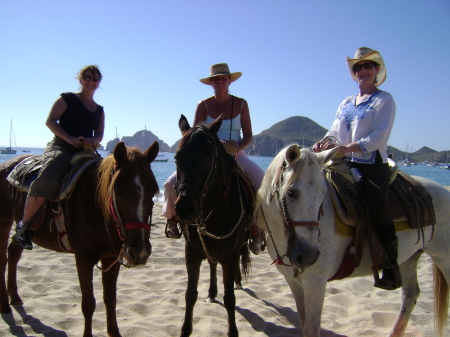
pixel 89 78
pixel 368 65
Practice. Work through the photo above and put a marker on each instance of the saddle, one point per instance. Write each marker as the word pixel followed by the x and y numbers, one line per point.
pixel 28 169
pixel 25 172
pixel 410 205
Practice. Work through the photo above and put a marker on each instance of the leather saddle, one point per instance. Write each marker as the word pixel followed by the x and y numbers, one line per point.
pixel 25 172
pixel 410 205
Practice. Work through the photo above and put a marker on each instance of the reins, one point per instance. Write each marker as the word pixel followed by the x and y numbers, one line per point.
pixel 201 223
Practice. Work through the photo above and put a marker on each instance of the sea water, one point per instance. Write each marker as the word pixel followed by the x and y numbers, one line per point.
pixel 162 170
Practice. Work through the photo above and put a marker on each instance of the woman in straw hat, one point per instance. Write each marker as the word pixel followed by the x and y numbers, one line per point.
pixel 361 129
pixel 236 118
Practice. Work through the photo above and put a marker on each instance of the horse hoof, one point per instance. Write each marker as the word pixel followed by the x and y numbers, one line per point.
pixel 239 287
pixel 210 300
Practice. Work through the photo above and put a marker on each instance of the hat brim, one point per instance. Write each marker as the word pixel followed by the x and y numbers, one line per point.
pixel 233 77
pixel 372 56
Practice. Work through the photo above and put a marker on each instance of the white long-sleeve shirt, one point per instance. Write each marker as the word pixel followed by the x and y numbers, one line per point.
pixel 368 123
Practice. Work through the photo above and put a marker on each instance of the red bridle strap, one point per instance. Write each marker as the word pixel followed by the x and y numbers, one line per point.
pixel 304 223
pixel 133 225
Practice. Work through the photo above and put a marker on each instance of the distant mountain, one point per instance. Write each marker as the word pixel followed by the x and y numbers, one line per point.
pixel 141 139
pixel 293 130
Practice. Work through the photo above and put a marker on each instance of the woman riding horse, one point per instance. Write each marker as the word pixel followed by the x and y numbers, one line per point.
pixel 78 123
pixel 361 130
pixel 236 117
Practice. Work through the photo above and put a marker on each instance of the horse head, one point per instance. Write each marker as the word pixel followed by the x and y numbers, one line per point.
pixel 200 160
pixel 126 193
pixel 292 193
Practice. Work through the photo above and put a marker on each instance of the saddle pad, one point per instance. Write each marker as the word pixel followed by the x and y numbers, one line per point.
pixel 24 173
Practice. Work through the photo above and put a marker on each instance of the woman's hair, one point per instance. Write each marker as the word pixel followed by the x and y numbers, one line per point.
pixel 94 69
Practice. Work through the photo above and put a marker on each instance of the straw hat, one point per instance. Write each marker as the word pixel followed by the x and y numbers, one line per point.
pixel 218 70
pixel 367 54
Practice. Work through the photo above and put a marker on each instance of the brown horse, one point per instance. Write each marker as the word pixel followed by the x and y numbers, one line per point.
pixel 106 217
pixel 213 213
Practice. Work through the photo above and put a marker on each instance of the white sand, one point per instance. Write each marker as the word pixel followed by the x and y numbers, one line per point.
pixel 151 300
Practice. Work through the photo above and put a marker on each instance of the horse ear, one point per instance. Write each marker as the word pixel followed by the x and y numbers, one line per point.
pixel 152 151
pixel 292 153
pixel 120 153
pixel 215 126
pixel 327 155
pixel 183 124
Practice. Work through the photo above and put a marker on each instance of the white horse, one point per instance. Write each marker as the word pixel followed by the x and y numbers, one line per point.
pixel 316 249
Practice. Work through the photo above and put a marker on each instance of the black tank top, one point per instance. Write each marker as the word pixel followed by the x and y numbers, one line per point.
pixel 78 120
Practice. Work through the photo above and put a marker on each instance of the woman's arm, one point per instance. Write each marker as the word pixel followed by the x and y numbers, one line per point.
pixel 57 110
pixel 246 124
pixel 200 114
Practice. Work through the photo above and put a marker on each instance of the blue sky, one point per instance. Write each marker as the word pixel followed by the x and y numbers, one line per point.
pixel 291 53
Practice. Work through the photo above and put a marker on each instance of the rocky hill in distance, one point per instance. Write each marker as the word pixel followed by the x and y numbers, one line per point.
pixel 141 139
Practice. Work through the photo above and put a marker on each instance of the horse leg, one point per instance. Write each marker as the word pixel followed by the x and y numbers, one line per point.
pixel 212 292
pixel 14 255
pixel 229 299
pixel 4 235
pixel 410 290
pixel 109 280
pixel 297 292
pixel 314 290
pixel 193 262
pixel 85 271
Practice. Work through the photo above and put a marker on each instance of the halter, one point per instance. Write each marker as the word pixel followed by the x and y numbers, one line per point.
pixel 121 227
pixel 201 194
pixel 289 225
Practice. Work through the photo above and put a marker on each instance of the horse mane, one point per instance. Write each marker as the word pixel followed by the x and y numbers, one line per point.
pixel 270 180
pixel 106 179
pixel 198 135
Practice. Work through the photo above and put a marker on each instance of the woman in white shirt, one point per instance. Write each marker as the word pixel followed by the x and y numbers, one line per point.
pixel 361 129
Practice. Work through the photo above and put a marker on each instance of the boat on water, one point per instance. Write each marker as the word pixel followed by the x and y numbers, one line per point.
pixel 445 167
pixel 9 150
pixel 161 158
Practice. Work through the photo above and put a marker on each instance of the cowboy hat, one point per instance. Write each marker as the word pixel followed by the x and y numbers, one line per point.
pixel 218 70
pixel 367 54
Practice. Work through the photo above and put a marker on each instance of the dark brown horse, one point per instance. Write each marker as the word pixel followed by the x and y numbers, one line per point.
pixel 106 217
pixel 214 214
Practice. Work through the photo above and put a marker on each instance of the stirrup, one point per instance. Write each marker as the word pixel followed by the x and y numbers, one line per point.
pixel 23 236
pixel 171 230
pixel 390 283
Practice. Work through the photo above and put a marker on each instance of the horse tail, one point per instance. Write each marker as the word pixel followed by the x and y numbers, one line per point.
pixel 245 261
pixel 440 299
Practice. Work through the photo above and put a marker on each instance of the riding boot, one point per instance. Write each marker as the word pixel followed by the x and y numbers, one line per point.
pixel 172 231
pixel 391 279
pixel 24 236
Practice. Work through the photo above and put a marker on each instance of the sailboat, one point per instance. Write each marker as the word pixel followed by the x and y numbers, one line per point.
pixel 9 149
pixel 446 166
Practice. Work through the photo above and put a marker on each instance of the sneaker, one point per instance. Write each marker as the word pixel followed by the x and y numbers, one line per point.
pixel 172 231
pixel 24 236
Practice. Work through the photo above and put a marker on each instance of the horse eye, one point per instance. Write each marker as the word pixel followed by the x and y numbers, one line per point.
pixel 292 194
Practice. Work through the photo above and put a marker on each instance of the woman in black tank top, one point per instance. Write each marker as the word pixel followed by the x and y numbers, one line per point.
pixel 77 122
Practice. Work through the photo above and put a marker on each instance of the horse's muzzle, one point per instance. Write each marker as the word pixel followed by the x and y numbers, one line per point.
pixel 187 207
pixel 303 254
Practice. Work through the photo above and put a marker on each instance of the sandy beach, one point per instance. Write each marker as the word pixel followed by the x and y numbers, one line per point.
pixel 150 300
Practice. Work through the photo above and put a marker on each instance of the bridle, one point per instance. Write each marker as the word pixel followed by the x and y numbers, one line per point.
pixel 201 195
pixel 121 226
pixel 289 224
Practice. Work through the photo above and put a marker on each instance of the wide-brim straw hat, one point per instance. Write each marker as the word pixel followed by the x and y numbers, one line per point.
pixel 218 70
pixel 367 54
